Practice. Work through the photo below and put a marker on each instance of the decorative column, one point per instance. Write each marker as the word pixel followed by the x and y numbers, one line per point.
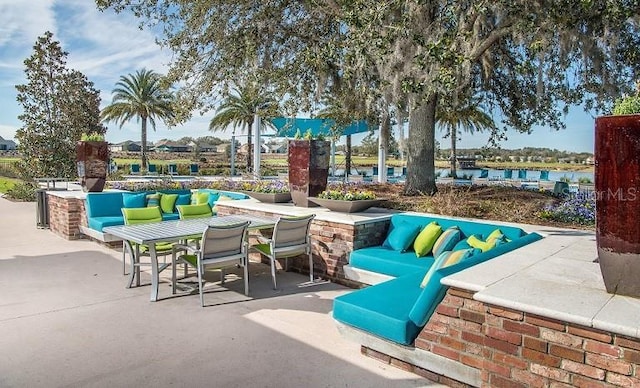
pixel 308 169
pixel 617 183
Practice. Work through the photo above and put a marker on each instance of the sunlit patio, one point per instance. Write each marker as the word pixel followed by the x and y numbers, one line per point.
pixel 68 320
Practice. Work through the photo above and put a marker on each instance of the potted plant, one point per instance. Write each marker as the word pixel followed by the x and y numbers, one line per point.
pixel 617 190
pixel 342 198
pixel 92 160
pixel 270 191
pixel 308 167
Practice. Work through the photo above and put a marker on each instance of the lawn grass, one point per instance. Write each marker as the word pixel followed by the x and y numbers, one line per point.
pixel 7 183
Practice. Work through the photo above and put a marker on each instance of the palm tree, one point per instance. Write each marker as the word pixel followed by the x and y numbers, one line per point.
pixel 238 110
pixel 470 116
pixel 143 96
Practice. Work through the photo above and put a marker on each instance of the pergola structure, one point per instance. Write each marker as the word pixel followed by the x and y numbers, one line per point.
pixel 289 127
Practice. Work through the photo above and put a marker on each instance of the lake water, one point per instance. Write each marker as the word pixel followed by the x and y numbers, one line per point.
pixel 534 175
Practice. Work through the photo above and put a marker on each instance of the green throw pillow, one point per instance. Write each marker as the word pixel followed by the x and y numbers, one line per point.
pixel 425 240
pixel 484 246
pixel 168 202
pixel 401 236
pixel 447 241
pixel 444 260
pixel 199 197
pixel 153 200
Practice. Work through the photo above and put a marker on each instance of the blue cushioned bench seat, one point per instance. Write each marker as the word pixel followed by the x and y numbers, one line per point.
pixel 389 262
pixel 383 309
pixel 105 208
pixel 397 309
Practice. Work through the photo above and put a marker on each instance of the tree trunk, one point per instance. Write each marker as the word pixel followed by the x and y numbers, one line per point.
pixel 143 146
pixel 454 160
pixel 347 159
pixel 249 146
pixel 421 147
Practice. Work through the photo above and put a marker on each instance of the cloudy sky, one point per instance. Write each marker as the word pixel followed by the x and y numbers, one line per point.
pixel 105 46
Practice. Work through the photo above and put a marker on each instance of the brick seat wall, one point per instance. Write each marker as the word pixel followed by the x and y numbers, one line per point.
pixel 517 349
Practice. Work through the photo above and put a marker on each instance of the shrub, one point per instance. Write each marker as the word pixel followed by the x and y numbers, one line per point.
pixel 584 179
pixel 577 208
pixel 23 191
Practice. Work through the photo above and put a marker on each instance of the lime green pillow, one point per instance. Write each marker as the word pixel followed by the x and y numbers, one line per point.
pixel 168 202
pixel 426 238
pixel 446 259
pixel 199 197
pixel 495 234
pixel 484 246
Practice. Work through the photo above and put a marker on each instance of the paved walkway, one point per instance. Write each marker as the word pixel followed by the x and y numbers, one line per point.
pixel 66 319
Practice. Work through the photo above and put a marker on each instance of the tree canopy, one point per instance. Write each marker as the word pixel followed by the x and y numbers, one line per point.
pixel 526 60
pixel 144 97
pixel 59 105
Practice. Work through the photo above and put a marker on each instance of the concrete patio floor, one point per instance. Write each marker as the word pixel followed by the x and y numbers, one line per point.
pixel 66 319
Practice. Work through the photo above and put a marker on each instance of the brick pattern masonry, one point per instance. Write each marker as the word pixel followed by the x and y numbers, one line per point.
pixel 517 350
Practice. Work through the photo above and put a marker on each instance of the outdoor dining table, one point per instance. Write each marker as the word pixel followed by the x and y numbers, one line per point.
pixel 173 231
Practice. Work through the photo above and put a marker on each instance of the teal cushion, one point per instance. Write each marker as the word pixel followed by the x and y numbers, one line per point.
pixel 383 309
pixel 183 199
pixel 401 236
pixel 130 200
pixel 104 204
pixel 447 241
pixel 98 223
pixel 213 197
pixel 389 262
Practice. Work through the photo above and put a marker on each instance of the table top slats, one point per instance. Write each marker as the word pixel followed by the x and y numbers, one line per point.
pixel 179 229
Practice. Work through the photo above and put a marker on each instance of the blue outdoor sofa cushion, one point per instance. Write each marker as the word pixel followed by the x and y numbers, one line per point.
pixel 383 309
pixel 389 262
pixel 398 309
pixel 104 209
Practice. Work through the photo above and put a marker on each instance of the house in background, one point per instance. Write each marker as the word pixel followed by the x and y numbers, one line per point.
pixel 7 145
pixel 171 146
pixel 202 147
pixel 126 146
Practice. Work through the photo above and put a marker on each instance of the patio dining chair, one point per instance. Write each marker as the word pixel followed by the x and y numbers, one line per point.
pixel 188 212
pixel 144 215
pixel 152 169
pixel 134 169
pixel 194 169
pixel 172 168
pixel 223 246
pixel 290 238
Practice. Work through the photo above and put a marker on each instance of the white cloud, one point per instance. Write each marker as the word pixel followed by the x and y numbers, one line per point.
pixel 21 22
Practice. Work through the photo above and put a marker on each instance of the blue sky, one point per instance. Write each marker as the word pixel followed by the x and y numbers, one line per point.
pixel 105 45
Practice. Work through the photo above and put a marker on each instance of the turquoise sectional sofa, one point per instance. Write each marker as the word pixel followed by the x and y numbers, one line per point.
pixel 104 209
pixel 397 309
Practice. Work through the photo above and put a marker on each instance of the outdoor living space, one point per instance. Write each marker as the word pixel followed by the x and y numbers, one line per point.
pixel 68 320
pixel 534 316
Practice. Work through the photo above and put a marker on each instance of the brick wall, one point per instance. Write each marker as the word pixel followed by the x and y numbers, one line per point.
pixel 516 349
pixel 332 243
pixel 65 216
